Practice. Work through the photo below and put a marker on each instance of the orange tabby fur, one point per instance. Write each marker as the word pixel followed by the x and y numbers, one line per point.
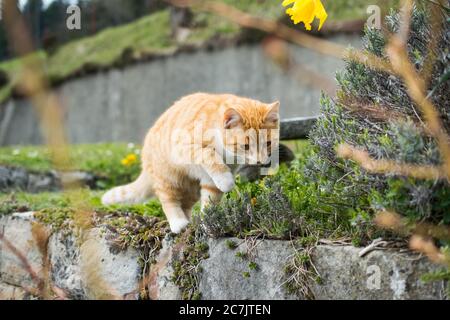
pixel 180 170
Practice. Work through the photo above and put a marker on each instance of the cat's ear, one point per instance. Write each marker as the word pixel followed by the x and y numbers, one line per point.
pixel 231 119
pixel 273 115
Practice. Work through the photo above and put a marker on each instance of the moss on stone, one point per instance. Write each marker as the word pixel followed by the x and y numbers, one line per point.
pixel 232 245
pixel 186 265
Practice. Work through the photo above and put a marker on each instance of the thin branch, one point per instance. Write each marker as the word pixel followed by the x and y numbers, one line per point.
pixel 416 89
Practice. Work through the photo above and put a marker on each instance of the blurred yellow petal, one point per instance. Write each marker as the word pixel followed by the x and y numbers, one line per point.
pixel 306 11
pixel 320 13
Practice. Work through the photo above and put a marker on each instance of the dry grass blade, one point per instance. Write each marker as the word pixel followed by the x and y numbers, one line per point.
pixel 394 222
pixel 416 89
pixel 389 167
pixel 427 247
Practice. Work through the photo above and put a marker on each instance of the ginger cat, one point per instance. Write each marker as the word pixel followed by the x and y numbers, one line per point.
pixel 186 154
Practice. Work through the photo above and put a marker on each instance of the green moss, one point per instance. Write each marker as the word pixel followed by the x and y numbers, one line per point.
pixel 5 92
pixel 8 205
pixel 148 34
pixel 12 68
pixel 232 245
pixel 186 264
pixel 253 266
pixel 58 219
pixel 51 205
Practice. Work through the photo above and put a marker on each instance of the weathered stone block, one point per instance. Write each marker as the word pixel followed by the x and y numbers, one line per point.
pixel 64 254
pixel 18 230
pixel 107 273
pixel 160 284
pixel 226 276
pixel 378 275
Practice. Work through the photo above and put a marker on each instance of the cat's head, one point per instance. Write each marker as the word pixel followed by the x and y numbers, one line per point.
pixel 251 130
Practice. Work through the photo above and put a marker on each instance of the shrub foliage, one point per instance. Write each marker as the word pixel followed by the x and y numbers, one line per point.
pixel 322 195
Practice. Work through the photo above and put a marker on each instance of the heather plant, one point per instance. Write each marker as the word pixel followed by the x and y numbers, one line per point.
pixel 373 110
pixel 287 205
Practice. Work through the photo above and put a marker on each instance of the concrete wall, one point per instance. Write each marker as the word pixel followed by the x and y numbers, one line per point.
pixel 120 105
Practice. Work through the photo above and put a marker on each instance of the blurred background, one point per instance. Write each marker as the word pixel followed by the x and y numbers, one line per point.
pixel 131 59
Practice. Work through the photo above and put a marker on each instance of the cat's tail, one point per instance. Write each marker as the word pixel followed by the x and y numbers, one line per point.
pixel 135 192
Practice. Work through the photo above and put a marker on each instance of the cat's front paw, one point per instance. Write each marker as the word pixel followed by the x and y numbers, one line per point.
pixel 178 224
pixel 224 182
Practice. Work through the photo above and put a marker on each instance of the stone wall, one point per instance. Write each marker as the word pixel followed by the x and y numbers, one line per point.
pixel 121 104
pixel 90 268
pixel 20 179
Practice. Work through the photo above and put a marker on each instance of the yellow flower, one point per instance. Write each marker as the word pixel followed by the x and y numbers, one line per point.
pixel 129 160
pixel 253 201
pixel 306 11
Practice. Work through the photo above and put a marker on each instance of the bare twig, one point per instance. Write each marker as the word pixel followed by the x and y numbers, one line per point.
pixel 375 245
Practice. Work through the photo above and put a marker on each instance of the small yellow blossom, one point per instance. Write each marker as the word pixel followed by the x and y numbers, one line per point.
pixel 253 201
pixel 129 160
pixel 306 11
